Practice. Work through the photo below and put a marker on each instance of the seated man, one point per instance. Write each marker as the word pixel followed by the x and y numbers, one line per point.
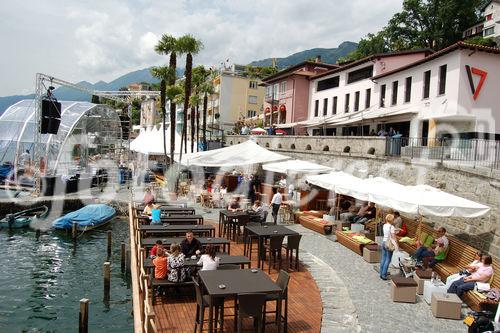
pixel 234 205
pixel 190 246
pixel 482 274
pixel 367 215
pixel 256 212
pixel 437 251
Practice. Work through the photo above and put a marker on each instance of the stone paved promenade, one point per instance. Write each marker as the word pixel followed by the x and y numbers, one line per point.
pixel 354 298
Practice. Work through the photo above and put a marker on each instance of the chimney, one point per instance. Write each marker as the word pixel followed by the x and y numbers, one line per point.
pixel 318 58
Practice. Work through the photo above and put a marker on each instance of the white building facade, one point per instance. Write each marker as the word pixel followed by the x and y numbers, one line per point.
pixel 451 93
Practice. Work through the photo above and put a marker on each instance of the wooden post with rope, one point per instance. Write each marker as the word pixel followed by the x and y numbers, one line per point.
pixel 74 230
pixel 109 243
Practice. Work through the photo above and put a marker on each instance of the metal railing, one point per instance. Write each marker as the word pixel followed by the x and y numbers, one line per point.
pixel 464 152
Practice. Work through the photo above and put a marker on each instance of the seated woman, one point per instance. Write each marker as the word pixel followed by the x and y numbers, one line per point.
pixel 148 208
pixel 482 274
pixel 148 196
pixel 176 270
pixel 256 212
pixel 208 260
pixel 473 266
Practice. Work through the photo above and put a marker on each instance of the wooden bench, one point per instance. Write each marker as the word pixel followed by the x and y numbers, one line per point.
pixel 310 222
pixel 349 242
pixel 459 256
pixel 155 283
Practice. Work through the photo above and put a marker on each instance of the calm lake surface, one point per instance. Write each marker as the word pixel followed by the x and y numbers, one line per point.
pixel 42 281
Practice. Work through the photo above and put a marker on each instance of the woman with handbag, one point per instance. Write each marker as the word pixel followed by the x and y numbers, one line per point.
pixel 389 244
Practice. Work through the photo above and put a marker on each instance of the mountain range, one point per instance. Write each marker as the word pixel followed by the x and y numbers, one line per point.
pixel 64 93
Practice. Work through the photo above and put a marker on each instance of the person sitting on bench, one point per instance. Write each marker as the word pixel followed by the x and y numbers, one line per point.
pixel 176 270
pixel 190 246
pixel 437 251
pixel 482 274
pixel 256 212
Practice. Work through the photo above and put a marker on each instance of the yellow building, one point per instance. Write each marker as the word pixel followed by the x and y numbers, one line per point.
pixel 236 98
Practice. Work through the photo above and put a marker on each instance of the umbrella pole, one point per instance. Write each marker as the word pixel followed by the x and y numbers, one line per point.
pixel 337 209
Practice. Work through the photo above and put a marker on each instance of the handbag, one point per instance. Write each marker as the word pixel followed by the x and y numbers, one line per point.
pixel 389 245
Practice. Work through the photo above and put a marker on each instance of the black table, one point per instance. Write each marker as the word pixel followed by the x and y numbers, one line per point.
pixel 149 242
pixel 177 229
pixel 177 219
pixel 226 216
pixel 224 259
pixel 263 232
pixel 237 281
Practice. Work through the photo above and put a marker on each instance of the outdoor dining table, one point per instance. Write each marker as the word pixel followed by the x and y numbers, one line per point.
pixel 230 283
pixel 224 259
pixel 226 216
pixel 177 229
pixel 149 242
pixel 263 232
pixel 177 219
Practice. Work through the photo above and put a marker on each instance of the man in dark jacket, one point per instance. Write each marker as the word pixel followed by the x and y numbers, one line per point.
pixel 190 246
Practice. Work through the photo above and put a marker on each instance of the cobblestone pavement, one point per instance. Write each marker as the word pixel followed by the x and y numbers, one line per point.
pixel 354 298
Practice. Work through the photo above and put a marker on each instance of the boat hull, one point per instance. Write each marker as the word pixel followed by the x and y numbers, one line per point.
pixel 86 218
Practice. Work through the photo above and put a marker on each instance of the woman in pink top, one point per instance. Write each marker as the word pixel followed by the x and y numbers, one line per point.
pixel 482 274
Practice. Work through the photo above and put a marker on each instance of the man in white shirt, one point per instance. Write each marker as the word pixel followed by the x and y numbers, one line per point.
pixel 276 203
pixel 282 182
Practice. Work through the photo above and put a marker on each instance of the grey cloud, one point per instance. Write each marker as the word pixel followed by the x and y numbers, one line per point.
pixel 98 40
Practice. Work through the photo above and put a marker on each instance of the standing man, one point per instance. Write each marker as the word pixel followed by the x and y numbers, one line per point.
pixel 190 246
pixel 276 203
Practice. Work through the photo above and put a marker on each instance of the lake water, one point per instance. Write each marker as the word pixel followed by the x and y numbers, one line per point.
pixel 42 281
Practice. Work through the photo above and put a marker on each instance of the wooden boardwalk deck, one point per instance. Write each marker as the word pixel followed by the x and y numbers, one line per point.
pixel 176 312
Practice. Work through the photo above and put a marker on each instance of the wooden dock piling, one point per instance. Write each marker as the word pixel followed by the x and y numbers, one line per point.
pixel 107 276
pixel 74 231
pixel 109 243
pixel 83 323
pixel 122 256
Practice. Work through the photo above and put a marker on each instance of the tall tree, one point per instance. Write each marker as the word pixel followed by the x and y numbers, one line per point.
pixel 207 88
pixel 164 74
pixel 200 78
pixel 371 44
pixel 189 45
pixel 195 103
pixel 168 44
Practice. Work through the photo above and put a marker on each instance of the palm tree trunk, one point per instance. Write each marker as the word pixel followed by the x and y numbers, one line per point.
pixel 204 131
pixel 197 127
pixel 192 128
pixel 172 65
pixel 187 92
pixel 163 87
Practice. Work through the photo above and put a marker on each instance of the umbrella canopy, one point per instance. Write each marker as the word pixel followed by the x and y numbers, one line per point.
pixel 245 153
pixel 150 141
pixel 418 200
pixel 258 130
pixel 296 166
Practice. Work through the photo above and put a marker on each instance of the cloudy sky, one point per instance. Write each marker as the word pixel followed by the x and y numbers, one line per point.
pixel 96 40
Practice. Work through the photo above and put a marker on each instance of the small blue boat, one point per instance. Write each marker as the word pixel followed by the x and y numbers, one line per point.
pixel 86 218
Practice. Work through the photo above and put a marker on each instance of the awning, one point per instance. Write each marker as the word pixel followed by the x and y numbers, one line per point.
pixel 418 200
pixel 360 116
pixel 287 125
pixel 296 167
pixel 245 153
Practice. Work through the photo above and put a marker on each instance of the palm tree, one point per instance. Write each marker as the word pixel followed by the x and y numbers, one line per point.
pixel 207 88
pixel 189 45
pixel 168 44
pixel 199 79
pixel 164 74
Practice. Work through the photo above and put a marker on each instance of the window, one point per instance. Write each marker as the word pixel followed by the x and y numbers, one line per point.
pixel 368 98
pixel 330 83
pixel 427 84
pixel 283 87
pixel 382 96
pixel 468 33
pixel 253 85
pixel 275 91
pixel 325 106
pixel 394 99
pixel 489 17
pixel 251 113
pixel 269 91
pixel 479 29
pixel 442 79
pixel 346 106
pixel 252 99
pixel 489 31
pixel 356 101
pixel 334 105
pixel 408 89
pixel 316 107
pixel 360 74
